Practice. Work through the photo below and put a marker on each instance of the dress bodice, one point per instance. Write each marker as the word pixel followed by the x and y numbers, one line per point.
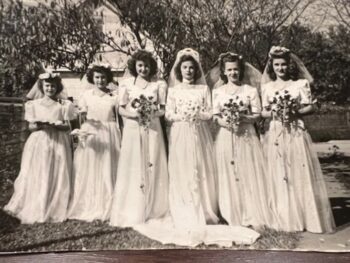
pixel 48 110
pixel 299 90
pixel 185 101
pixel 100 106
pixel 245 93
pixel 129 90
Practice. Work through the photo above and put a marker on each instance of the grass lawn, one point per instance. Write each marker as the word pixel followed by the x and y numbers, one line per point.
pixel 78 235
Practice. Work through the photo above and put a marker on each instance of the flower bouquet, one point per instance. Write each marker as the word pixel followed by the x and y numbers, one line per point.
pixel 190 110
pixel 232 110
pixel 284 106
pixel 145 106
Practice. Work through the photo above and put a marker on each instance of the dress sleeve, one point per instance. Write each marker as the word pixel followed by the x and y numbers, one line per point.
pixel 170 109
pixel 123 94
pixel 305 92
pixel 69 112
pixel 29 111
pixel 206 109
pixel 216 101
pixel 255 100
pixel 264 96
pixel 162 89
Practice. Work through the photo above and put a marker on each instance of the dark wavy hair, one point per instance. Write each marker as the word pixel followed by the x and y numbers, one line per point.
pixel 292 70
pixel 231 58
pixel 197 72
pixel 147 58
pixel 57 81
pixel 100 69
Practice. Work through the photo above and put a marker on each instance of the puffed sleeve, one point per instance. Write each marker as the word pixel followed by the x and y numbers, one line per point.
pixel 69 112
pixel 255 100
pixel 170 108
pixel 216 101
pixel 29 111
pixel 206 109
pixel 162 89
pixel 264 96
pixel 123 95
pixel 305 92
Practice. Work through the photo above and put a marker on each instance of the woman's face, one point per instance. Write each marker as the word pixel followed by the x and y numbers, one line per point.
pixel 187 70
pixel 49 89
pixel 100 80
pixel 280 67
pixel 142 69
pixel 232 72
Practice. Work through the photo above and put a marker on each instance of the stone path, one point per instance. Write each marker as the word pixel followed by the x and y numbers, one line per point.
pixel 337 176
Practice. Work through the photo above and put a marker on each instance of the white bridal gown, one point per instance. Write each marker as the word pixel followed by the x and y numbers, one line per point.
pixel 192 219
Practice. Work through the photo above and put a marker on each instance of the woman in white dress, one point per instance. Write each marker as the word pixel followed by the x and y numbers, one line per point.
pixel 43 186
pixel 243 197
pixel 192 170
pixel 297 186
pixel 96 157
pixel 141 191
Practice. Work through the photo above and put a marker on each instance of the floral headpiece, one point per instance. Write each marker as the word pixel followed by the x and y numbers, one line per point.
pixel 104 65
pixel 188 51
pixel 278 51
pixel 49 75
pixel 226 54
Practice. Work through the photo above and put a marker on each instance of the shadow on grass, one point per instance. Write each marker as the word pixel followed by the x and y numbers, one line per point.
pixel 52 242
pixel 341 210
pixel 8 223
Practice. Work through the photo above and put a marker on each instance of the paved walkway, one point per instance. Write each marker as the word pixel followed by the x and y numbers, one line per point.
pixel 340 199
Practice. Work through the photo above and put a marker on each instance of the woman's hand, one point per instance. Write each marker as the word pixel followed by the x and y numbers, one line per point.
pixel 222 123
pixel 128 114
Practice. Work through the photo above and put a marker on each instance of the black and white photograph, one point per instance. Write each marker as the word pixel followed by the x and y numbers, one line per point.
pixel 174 124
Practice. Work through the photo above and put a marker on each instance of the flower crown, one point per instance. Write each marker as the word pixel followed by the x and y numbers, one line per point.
pixel 278 51
pixel 104 65
pixel 226 54
pixel 49 75
pixel 188 51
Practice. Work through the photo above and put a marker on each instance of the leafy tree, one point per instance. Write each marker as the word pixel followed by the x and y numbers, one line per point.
pixel 211 26
pixel 60 34
pixel 325 57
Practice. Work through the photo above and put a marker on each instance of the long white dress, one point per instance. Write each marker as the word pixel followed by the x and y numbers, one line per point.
pixel 141 191
pixel 96 159
pixel 242 184
pixel 43 185
pixel 192 174
pixel 296 182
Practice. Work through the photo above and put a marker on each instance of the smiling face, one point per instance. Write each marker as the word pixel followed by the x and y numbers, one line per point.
pixel 100 80
pixel 280 67
pixel 142 69
pixel 188 70
pixel 49 89
pixel 232 72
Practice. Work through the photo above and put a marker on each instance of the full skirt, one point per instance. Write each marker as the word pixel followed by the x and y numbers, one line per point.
pixel 95 172
pixel 42 188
